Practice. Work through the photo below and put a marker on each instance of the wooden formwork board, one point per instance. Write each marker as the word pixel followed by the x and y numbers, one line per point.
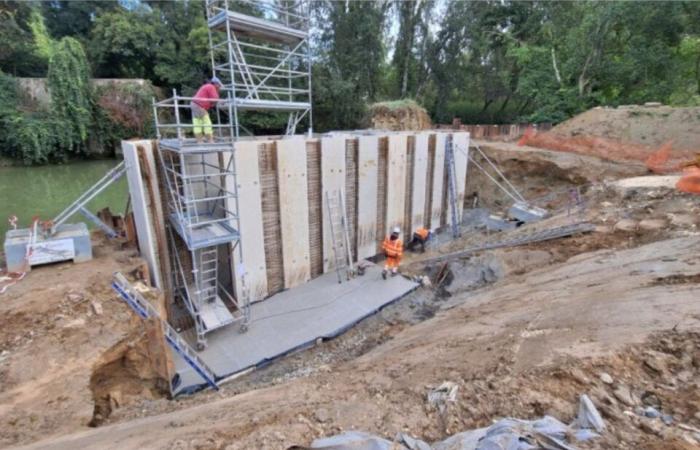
pixel 251 222
pixel 382 159
pixel 332 182
pixel 270 203
pixel 313 167
pixel 294 211
pixel 367 174
pixel 351 180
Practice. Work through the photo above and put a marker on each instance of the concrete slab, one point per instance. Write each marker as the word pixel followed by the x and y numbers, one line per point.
pixel 294 319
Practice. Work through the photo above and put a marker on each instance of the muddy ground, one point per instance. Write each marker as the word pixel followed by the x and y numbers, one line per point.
pixel 522 331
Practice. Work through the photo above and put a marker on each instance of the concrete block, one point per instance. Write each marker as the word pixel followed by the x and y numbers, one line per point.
pixel 70 243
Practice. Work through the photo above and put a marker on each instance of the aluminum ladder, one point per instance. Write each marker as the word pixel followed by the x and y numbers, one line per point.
pixel 145 310
pixel 451 185
pixel 340 238
pixel 205 274
pixel 102 184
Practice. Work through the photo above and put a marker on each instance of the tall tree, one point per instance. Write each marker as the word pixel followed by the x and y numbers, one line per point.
pixel 411 43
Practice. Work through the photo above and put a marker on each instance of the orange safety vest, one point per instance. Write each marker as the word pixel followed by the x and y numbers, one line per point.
pixel 392 249
pixel 423 233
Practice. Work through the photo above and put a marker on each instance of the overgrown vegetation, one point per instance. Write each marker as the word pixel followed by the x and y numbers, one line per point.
pixel 490 61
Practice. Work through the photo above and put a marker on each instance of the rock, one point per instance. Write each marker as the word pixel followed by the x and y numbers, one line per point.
pixel 74 296
pixel 682 220
pixel 651 412
pixel 651 426
pixel 655 363
pixel 606 378
pixel 624 394
pixel 626 225
pixel 650 399
pixel 322 415
pixel 96 307
pixel 652 224
pixel 667 419
pixel 425 281
pixel 578 375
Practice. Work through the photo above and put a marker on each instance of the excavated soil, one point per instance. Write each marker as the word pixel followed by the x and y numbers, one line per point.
pixel 522 331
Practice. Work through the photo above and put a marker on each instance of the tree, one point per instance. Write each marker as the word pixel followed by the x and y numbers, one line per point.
pixel 74 18
pixel 411 42
pixel 18 55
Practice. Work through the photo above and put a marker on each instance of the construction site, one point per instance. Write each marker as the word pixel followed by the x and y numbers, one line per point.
pixel 544 291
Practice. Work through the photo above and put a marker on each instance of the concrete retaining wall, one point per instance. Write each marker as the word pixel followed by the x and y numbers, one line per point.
pixel 392 179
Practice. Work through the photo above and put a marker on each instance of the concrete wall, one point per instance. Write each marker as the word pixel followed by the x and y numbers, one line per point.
pixel 283 232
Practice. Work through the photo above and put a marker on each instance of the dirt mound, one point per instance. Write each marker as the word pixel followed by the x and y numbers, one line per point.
pixel 125 375
pixel 399 115
pixel 663 137
pixel 651 126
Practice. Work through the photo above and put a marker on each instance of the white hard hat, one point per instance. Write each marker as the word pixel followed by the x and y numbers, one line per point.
pixel 396 230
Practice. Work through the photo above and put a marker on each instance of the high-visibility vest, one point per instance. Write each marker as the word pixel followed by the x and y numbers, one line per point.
pixel 392 249
pixel 423 233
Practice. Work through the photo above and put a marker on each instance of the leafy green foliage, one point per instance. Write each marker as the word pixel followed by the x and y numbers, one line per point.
pixel 71 100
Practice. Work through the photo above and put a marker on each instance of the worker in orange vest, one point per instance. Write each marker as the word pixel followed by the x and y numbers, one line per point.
pixel 393 250
pixel 420 237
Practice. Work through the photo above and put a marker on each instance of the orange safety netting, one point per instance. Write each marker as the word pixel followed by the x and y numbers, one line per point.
pixel 665 159
pixel 690 180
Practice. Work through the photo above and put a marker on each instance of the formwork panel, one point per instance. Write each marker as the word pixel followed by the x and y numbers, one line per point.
pixel 294 211
pixel 332 180
pixel 408 189
pixel 461 148
pixel 382 162
pixel 396 182
pixel 250 201
pixel 351 192
pixel 420 172
pixel 367 158
pixel 267 160
pixel 313 168
pixel 438 180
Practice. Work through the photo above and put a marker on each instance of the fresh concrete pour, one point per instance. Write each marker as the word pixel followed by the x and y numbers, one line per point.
pixel 292 320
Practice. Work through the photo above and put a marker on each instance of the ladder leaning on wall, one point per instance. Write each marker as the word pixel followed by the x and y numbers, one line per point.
pixel 339 233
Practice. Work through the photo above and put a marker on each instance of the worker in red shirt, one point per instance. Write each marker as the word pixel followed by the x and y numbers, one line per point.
pixel 393 250
pixel 205 98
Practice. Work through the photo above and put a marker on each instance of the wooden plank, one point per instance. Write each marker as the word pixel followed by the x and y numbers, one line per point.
pixel 438 180
pixel 332 180
pixel 420 175
pixel 396 182
pixel 461 147
pixel 294 210
pixel 368 154
pixel 141 205
pixel 252 234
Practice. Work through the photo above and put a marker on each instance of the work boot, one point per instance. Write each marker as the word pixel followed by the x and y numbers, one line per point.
pixel 394 273
pixel 384 274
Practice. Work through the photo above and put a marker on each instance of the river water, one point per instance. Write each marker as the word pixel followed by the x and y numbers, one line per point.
pixel 45 191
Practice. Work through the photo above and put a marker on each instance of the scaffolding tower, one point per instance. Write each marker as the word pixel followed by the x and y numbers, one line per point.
pixel 260 50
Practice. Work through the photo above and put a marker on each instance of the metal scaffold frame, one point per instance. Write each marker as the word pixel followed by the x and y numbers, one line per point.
pixel 261 52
